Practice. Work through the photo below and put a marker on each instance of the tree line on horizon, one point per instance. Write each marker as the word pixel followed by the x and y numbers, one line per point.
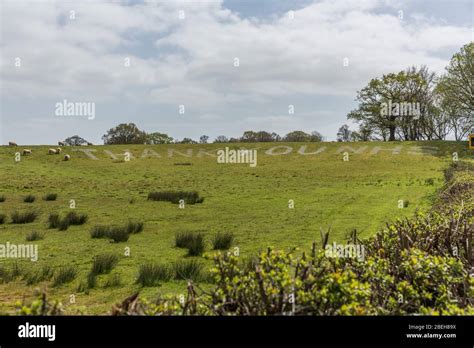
pixel 444 106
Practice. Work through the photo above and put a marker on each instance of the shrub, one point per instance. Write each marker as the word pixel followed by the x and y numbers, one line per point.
pixel 24 218
pixel 134 227
pixel 100 231
pixel 29 199
pixel 3 218
pixel 34 235
pixel 150 274
pixel 2 198
pixel 222 241
pixel 189 197
pixel 50 197
pixel 104 263
pixel 64 275
pixel 53 221
pixel 187 270
pixel 196 245
pixel 118 234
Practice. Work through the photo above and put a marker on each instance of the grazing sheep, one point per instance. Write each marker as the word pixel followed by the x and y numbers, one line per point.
pixel 26 152
pixel 67 157
pixel 52 152
pixel 60 143
pixel 11 143
pixel 58 150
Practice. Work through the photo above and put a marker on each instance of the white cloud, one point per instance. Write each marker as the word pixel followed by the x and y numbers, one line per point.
pixel 190 61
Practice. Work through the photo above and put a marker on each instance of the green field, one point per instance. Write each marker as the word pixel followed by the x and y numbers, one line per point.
pixel 252 203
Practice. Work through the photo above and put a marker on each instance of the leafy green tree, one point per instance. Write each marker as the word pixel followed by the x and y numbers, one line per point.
pixel 381 102
pixel 187 141
pixel 124 134
pixel 456 91
pixel 316 137
pixel 158 138
pixel 221 139
pixel 344 134
pixel 75 140
pixel 297 136
pixel 203 139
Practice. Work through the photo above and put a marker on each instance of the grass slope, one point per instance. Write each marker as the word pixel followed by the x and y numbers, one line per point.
pixel 251 203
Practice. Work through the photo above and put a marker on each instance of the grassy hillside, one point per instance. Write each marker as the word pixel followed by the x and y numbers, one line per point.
pixel 252 203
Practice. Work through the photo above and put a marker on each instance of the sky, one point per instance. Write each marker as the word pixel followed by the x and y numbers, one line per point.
pixel 214 67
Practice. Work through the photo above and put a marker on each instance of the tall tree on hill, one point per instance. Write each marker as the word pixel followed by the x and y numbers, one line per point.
pixel 344 134
pixel 382 101
pixel 124 134
pixel 456 90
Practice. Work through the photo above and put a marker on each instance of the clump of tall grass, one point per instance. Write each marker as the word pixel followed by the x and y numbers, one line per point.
pixel 64 275
pixel 222 241
pixel 187 270
pixel 113 281
pixel 50 196
pixel 150 274
pixel 3 218
pixel 104 263
pixel 182 239
pixel 23 218
pixel 71 218
pixel 118 234
pixel 74 218
pixel 34 235
pixel 45 273
pixel 53 220
pixel 134 227
pixel 194 242
pixel 63 224
pixel 9 273
pixel 29 199
pixel 100 231
pixel 197 245
pixel 189 197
